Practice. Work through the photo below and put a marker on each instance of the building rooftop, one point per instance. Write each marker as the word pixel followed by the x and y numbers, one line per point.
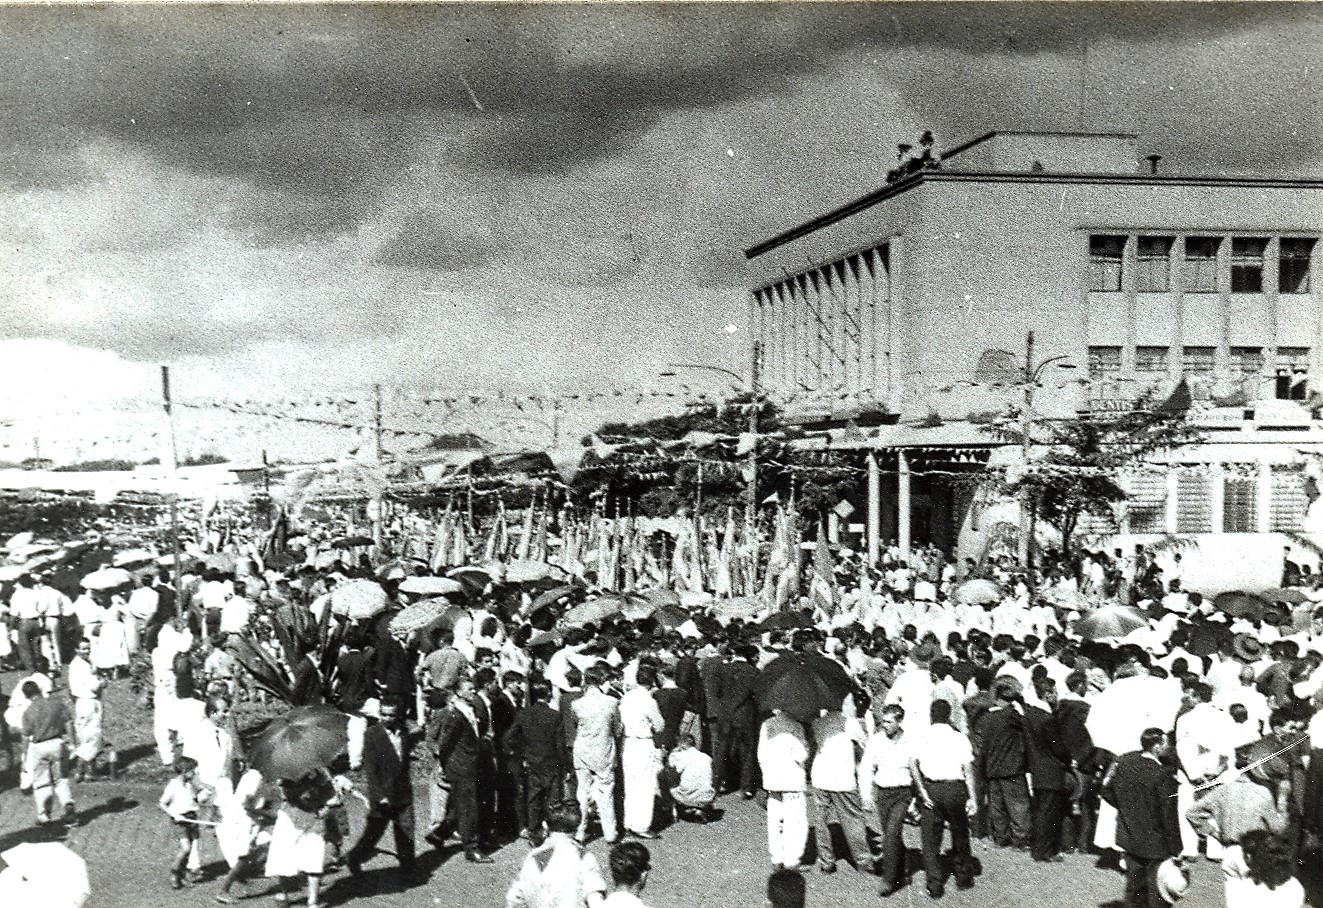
pixel 1027 157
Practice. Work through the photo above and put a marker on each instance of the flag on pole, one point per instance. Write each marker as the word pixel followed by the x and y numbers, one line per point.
pixel 822 589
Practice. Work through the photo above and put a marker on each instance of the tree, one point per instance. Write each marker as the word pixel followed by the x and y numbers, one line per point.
pixel 1075 464
pixel 656 463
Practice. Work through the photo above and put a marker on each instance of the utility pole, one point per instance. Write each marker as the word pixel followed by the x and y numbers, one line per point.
pixel 376 503
pixel 1026 427
pixel 172 461
pixel 754 403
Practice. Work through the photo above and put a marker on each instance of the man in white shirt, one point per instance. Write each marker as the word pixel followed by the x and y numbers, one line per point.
pixel 52 605
pixel 782 753
pixel 559 873
pixel 1203 747
pixel 1244 692
pixel 640 760
pixel 835 782
pixel 942 769
pixel 235 614
pixel 913 690
pixel 85 688
pixel 885 783
pixel 25 606
pixel 693 792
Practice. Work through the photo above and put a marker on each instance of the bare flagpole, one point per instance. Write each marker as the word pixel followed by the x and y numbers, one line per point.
pixel 172 453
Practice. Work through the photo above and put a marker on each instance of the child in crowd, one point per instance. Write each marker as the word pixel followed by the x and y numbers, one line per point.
pixel 180 801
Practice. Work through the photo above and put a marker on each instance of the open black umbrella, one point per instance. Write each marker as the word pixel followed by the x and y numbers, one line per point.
pixel 350 542
pixel 1239 604
pixel 800 694
pixel 1110 621
pixel 1289 595
pixel 802 685
pixel 302 740
pixel 785 621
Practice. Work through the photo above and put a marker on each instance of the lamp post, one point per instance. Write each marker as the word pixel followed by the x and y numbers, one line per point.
pixel 751 503
pixel 1029 509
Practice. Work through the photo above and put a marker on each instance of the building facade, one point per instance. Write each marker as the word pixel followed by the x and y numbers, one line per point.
pixel 919 298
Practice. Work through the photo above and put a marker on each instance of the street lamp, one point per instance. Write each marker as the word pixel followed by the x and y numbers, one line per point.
pixel 1028 513
pixel 751 505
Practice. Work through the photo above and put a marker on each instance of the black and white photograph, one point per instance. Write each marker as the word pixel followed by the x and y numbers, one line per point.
pixel 622 454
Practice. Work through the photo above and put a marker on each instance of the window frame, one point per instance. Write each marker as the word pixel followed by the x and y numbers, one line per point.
pixel 1143 363
pixel 1098 369
pixel 1247 265
pixel 1188 351
pixel 1303 262
pixel 1106 271
pixel 1195 268
pixel 1146 270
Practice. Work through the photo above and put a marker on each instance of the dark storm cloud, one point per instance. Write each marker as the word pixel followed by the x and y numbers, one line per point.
pixel 317 97
pixel 303 124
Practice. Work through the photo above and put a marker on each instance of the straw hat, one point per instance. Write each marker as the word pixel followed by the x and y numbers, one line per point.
pixel 1173 882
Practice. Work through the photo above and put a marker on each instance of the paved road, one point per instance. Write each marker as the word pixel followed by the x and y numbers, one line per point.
pixel 127 843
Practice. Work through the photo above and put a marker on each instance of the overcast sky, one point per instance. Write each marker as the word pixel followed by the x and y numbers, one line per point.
pixel 285 198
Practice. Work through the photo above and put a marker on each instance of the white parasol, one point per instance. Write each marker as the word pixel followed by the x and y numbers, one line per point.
pixel 431 586
pixel 107 579
pixel 358 600
pixel 44 873
pixel 18 541
pixel 134 557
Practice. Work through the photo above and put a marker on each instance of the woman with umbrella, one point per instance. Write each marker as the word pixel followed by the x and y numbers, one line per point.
pixel 298 841
pixel 296 748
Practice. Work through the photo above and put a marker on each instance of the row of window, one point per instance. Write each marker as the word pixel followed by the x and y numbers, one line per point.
pixel 1198 264
pixel 1290 372
pixel 1287 503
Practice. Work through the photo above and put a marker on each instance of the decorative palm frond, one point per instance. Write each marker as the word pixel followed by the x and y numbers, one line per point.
pixel 264 671
pixel 1170 543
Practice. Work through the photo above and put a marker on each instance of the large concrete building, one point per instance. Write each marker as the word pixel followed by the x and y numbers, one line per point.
pixel 918 299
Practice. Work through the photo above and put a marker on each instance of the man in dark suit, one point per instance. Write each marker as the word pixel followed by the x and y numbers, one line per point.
pixel 389 791
pixel 1072 714
pixel 1048 765
pixel 688 679
pixel 534 743
pixel 738 719
pixel 709 667
pixel 505 700
pixel 1004 763
pixel 458 750
pixel 1143 791
pixel 485 684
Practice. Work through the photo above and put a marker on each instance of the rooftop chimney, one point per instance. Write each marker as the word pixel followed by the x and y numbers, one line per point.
pixel 1153 162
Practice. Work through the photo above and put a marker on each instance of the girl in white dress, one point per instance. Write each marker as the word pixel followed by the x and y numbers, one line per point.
pixel 298 841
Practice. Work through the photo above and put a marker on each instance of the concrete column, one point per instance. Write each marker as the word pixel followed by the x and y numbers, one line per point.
pixel 903 503
pixel 1263 512
pixel 874 525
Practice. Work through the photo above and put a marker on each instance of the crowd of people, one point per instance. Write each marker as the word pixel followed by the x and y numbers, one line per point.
pixel 994 718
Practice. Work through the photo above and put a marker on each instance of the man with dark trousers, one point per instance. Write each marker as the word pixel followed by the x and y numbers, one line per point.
pixel 1004 763
pixel 709 668
pixel 737 718
pixel 1048 762
pixel 942 770
pixel 459 752
pixel 1143 791
pixel 389 791
pixel 534 744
